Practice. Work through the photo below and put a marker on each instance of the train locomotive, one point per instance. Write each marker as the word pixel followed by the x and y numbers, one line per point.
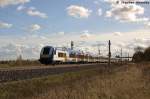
pixel 56 55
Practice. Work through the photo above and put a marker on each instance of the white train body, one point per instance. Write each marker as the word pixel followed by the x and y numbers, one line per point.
pixel 60 56
pixel 50 55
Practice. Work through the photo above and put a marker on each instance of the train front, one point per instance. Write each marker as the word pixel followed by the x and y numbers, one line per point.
pixel 47 55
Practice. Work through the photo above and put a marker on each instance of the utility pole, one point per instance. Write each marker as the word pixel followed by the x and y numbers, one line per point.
pixel 121 55
pixel 72 45
pixel 98 52
pixel 109 53
pixel 98 47
pixel 128 57
pixel 99 55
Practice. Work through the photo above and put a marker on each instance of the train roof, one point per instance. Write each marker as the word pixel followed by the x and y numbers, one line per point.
pixel 75 51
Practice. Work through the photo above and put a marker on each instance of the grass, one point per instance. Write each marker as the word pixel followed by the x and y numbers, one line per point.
pixel 127 82
pixel 14 63
pixel 29 88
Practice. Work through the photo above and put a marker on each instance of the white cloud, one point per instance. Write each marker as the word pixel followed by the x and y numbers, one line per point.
pixel 31 44
pixel 78 11
pixel 117 34
pixel 28 46
pixel 34 12
pixel 127 13
pixel 13 50
pixel 20 8
pixel 5 25
pixel 137 42
pixel 4 3
pixel 147 24
pixel 86 34
pixel 61 33
pixel 99 12
pixel 34 27
pixel 96 2
pixel 120 44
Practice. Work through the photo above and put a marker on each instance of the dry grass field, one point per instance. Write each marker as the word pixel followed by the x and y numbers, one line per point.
pixel 129 83
pixel 19 63
pixel 126 82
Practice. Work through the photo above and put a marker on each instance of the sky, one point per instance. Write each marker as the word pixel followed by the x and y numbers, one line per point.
pixel 28 25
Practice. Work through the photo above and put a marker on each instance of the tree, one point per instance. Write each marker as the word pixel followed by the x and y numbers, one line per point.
pixel 147 54
pixel 138 56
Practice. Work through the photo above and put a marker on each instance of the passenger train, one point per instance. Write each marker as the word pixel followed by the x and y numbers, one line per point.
pixel 53 55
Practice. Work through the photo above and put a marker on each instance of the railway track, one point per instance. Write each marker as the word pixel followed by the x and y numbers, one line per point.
pixel 15 74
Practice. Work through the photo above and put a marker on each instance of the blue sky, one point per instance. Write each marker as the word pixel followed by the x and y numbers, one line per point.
pixel 58 19
pixel 70 18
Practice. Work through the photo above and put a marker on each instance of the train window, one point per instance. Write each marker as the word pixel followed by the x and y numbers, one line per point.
pixel 81 56
pixel 46 51
pixel 65 55
pixel 61 54
pixel 72 55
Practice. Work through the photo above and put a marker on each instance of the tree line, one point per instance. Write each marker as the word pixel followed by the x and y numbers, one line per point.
pixel 141 55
